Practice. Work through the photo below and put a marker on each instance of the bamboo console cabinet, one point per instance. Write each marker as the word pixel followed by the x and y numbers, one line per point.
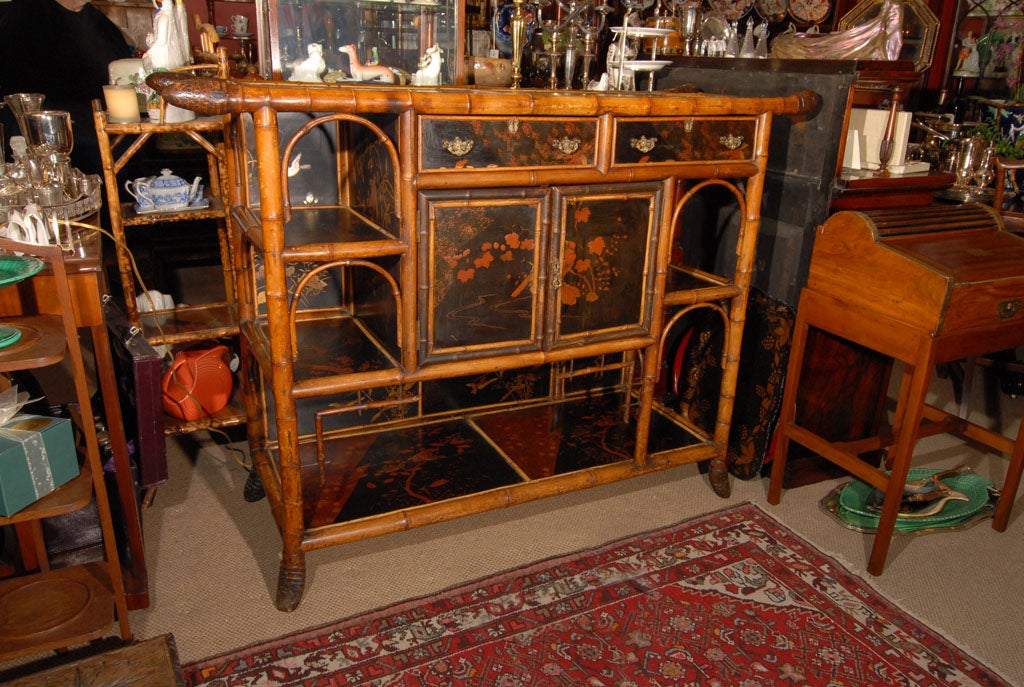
pixel 453 300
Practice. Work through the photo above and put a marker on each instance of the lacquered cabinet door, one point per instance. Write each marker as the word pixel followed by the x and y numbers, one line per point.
pixel 605 244
pixel 481 274
pixel 515 270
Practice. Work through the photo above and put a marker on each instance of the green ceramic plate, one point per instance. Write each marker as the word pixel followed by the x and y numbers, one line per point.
pixel 9 335
pixel 853 497
pixel 14 268
pixel 863 523
pixel 909 527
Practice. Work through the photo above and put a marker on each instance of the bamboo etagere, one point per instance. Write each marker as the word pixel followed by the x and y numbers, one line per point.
pixel 184 325
pixel 453 300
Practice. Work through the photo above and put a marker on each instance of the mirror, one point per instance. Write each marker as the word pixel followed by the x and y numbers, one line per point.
pixel 920 28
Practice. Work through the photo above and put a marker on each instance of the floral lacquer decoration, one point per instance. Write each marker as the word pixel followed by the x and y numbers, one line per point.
pixel 587 268
pixel 484 272
pixel 606 237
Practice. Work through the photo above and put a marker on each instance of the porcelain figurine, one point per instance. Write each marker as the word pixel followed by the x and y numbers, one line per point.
pixel 429 72
pixel 312 67
pixel 362 72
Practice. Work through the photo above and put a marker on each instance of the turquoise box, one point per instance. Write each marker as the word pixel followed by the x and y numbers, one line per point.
pixel 37 455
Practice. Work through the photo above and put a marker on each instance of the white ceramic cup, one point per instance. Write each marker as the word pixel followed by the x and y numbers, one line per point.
pixel 239 24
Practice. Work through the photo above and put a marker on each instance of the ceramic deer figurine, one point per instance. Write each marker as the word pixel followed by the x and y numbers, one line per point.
pixel 362 72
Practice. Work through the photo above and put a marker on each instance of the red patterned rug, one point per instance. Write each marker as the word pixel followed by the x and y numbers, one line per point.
pixel 730 598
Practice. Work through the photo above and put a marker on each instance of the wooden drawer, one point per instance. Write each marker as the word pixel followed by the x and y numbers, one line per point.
pixel 985 306
pixel 503 142
pixel 693 139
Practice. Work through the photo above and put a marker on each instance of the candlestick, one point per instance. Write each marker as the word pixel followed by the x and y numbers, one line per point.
pixel 518 33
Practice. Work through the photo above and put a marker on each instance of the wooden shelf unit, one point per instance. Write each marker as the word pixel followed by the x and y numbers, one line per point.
pixel 182 326
pixel 57 608
pixel 457 302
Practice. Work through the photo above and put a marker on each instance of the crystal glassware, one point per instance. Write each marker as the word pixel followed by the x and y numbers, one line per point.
pixel 984 170
pixel 965 162
pixel 23 103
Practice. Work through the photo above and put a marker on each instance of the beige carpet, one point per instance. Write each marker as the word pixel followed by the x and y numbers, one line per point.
pixel 213 558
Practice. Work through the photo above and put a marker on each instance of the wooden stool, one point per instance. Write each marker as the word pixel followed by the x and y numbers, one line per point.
pixel 924 286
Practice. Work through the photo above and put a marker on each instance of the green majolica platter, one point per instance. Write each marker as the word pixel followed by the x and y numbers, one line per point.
pixel 847 504
pixel 14 268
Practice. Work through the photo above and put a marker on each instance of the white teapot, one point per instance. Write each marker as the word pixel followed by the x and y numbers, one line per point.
pixel 166 192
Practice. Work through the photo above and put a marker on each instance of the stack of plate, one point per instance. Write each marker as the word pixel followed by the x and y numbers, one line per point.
pixel 14 268
pixel 850 504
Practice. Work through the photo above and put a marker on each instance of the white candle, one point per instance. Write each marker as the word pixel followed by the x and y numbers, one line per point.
pixel 122 103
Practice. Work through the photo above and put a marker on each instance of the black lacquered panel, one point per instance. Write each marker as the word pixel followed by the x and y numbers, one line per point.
pixel 513 142
pixel 684 140
pixel 382 472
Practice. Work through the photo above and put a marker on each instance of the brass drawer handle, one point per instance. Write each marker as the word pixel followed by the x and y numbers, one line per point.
pixel 643 144
pixel 458 146
pixel 731 141
pixel 566 145
pixel 1008 309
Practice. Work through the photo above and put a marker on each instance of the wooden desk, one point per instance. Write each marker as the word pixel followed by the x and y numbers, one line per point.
pixel 88 286
pixel 851 405
pixel 924 286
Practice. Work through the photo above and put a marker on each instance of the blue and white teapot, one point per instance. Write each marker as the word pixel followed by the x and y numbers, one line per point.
pixel 165 193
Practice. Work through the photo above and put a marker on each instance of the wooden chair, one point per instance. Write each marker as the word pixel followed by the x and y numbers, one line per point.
pixel 1010 206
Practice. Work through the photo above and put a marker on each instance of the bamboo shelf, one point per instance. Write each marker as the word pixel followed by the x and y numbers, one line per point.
pixel 183 326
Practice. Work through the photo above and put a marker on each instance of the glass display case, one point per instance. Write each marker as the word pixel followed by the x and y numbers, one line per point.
pixel 362 40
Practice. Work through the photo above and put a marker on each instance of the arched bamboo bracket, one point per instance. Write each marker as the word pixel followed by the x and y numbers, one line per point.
pixel 326 119
pixel 396 292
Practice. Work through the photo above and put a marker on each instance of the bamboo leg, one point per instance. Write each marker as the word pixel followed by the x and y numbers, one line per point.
pixel 787 414
pixel 291 581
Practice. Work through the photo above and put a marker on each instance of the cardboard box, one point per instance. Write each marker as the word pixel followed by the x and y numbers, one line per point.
pixel 37 455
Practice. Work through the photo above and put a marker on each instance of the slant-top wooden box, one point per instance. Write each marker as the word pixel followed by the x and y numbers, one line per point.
pixel 949 271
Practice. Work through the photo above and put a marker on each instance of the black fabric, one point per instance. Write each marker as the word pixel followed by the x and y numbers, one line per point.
pixel 45 48
pixel 763 360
